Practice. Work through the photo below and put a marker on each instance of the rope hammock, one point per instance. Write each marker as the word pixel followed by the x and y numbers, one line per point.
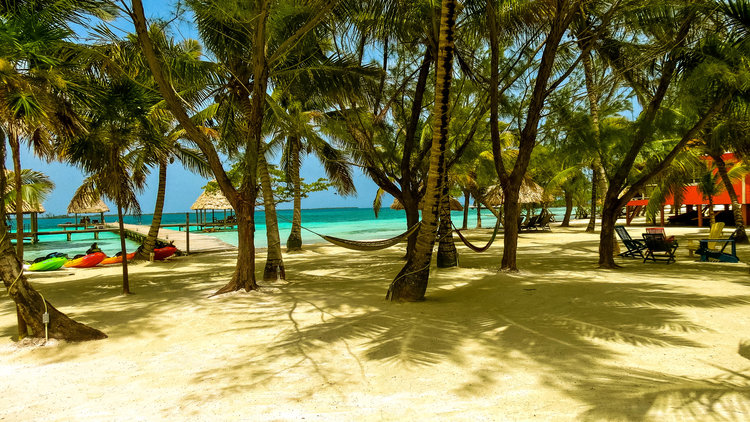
pixel 476 248
pixel 362 245
pixel 369 245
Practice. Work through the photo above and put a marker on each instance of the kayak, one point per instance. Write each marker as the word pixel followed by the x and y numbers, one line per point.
pixel 48 264
pixel 164 253
pixel 116 259
pixel 89 260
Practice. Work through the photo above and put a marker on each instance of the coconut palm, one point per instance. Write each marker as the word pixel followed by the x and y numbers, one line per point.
pixel 124 58
pixel 238 37
pixel 411 282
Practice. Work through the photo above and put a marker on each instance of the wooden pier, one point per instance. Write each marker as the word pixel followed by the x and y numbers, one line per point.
pixel 189 242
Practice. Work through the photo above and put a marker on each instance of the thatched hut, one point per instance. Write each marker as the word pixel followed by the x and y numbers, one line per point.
pixel 455 205
pixel 87 207
pixel 33 211
pixel 211 200
pixel 530 192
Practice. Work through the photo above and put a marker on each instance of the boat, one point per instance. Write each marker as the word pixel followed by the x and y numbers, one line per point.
pixel 116 259
pixel 48 264
pixel 164 253
pixel 86 261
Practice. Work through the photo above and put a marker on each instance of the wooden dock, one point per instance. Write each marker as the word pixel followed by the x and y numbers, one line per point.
pixel 199 243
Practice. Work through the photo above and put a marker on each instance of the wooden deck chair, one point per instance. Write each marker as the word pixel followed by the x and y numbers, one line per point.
pixel 658 248
pixel 715 233
pixel 708 254
pixel 634 247
pixel 659 230
pixel 531 223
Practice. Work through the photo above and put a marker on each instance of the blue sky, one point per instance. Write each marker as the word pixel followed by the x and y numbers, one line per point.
pixel 183 187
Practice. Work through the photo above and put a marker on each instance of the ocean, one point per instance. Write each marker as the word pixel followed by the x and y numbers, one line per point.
pixel 348 223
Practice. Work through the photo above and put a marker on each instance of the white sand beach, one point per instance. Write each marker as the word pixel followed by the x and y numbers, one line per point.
pixel 560 340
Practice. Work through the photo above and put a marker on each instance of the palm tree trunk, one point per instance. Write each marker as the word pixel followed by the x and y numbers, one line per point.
pixel 594 184
pixel 447 255
pixel 121 224
pixel 568 208
pixel 244 272
pixel 465 224
pixel 15 149
pixel 741 236
pixel 607 234
pixel 30 305
pixel 479 214
pixel 274 268
pixel 411 282
pixel 294 242
pixel 711 213
pixel 150 243
pixel 411 208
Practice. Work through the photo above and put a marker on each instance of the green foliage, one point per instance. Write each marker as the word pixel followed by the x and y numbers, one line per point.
pixel 283 191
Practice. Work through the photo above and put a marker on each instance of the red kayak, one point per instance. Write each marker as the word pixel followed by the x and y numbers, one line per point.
pixel 116 259
pixel 89 260
pixel 164 253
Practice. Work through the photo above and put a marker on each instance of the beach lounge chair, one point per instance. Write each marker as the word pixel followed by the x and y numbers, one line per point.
pixel 531 223
pixel 543 223
pixel 635 246
pixel 708 253
pixel 658 248
pixel 659 230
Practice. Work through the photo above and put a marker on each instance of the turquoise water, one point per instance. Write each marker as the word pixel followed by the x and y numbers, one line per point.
pixel 349 223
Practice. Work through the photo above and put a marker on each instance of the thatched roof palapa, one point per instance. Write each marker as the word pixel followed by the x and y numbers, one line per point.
pixel 211 200
pixel 455 205
pixel 530 192
pixel 87 207
pixel 27 208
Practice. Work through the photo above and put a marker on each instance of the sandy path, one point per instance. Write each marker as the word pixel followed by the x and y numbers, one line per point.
pixel 561 340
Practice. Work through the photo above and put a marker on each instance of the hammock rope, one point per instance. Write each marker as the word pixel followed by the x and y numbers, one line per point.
pixel 370 245
pixel 476 248
pixel 362 245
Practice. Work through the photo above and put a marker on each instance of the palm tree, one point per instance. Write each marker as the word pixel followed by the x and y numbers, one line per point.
pixel 707 186
pixel 411 282
pixel 124 58
pixel 238 38
pixel 117 129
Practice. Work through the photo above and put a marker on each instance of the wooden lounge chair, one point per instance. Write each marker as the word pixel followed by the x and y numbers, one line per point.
pixel 708 253
pixel 658 248
pixel 635 246
pixel 531 223
pixel 659 230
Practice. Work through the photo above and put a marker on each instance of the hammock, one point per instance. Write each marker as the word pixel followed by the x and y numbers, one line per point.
pixel 475 248
pixel 369 245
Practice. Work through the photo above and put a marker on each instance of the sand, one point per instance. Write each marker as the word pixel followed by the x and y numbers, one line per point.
pixel 560 340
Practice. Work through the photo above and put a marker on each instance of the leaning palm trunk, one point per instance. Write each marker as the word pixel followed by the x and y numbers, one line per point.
pixel 294 242
pixel 447 255
pixel 274 268
pixel 411 282
pixel 741 236
pixel 30 305
pixel 150 243
pixel 15 149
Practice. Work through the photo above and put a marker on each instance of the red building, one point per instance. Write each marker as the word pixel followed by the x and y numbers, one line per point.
pixel 694 199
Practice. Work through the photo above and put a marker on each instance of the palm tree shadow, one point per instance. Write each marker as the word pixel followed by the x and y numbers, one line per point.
pixel 560 320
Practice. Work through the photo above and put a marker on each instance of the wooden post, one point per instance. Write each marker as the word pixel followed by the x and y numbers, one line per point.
pixel 700 215
pixel 68 234
pixel 662 215
pixel 34 228
pixel 187 233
